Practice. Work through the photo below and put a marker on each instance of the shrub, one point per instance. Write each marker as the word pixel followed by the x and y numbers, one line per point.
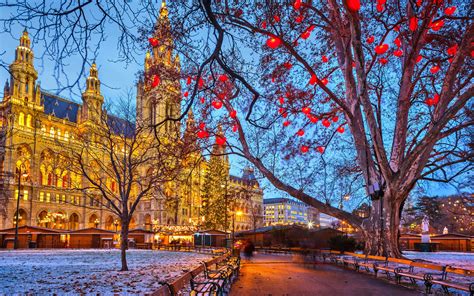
pixel 342 243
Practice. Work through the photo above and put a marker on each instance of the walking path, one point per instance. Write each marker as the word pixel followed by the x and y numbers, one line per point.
pixel 277 275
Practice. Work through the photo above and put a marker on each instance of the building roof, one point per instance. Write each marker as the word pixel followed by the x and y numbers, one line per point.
pixel 121 126
pixel 60 107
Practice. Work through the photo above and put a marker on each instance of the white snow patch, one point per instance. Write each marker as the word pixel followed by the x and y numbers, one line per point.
pixel 454 259
pixel 90 271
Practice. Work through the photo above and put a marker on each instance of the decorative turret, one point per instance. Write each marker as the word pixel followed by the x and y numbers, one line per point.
pixel 91 97
pixel 23 74
pixel 161 96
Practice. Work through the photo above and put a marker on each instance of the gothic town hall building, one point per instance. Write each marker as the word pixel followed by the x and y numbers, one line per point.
pixel 36 126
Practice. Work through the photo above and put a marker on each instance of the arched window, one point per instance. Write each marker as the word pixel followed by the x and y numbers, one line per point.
pixel 22 218
pixel 28 120
pixel 74 222
pixel 93 220
pixel 66 136
pixel 43 129
pixel 59 134
pixel 21 119
pixel 51 132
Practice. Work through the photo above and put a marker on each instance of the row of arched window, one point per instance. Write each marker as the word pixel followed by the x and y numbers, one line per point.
pixel 55 133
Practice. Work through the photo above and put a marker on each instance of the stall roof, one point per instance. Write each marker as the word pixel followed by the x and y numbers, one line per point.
pixel 211 232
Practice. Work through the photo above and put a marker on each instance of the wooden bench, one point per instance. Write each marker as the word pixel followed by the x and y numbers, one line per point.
pixel 390 265
pixel 446 280
pixel 420 273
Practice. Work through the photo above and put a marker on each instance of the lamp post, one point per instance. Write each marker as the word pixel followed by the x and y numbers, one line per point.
pixel 25 174
pixel 237 213
pixel 116 223
pixel 96 222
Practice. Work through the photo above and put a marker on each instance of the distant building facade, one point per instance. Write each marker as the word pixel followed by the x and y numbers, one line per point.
pixel 286 211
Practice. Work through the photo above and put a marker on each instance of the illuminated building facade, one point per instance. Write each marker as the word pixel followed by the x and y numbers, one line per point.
pixel 37 127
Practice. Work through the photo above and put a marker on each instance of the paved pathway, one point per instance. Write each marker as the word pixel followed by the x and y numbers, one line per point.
pixel 275 275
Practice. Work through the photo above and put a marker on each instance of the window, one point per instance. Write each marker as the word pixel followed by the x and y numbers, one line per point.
pixel 28 120
pixel 63 198
pixel 43 129
pixel 48 197
pixel 59 134
pixel 51 132
pixel 72 199
pixel 66 136
pixel 41 197
pixel 25 195
pixel 16 194
pixel 21 119
pixel 91 201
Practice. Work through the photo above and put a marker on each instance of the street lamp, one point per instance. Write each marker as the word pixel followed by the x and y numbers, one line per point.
pixel 237 213
pixel 96 222
pixel 116 223
pixel 310 224
pixel 25 174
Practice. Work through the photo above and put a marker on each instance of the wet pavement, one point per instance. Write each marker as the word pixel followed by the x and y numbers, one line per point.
pixel 277 275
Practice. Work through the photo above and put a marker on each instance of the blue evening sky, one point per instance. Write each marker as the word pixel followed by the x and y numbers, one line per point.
pixel 117 78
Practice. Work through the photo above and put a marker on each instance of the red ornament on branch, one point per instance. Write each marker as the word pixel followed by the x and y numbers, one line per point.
pixel 398 53
pixel 263 25
pixel 340 129
pixel 325 81
pixel 370 39
pixel 297 4
pixel 450 10
pixel 153 41
pixel 217 104
pixel 353 5
pixel 300 132
pixel 312 118
pixel 273 42
pixel 235 128
pixel 287 65
pixel 419 58
pixel 413 23
pixel 320 149
pixel 383 61
pixel 202 134
pixel 324 59
pixel 397 42
pixel 233 114
pixel 452 50
pixel 276 18
pixel 188 80
pixel 313 79
pixel 286 123
pixel 326 123
pixel 281 100
pixel 156 81
pixel 304 149
pixel 436 26
pixel 335 118
pixel 306 110
pixel 381 49
pixel 220 140
pixel 434 69
pixel 223 78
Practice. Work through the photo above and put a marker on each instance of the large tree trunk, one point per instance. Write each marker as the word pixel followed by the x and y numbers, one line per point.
pixel 124 244
pixel 381 230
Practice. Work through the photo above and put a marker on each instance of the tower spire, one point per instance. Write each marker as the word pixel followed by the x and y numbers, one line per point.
pixel 23 73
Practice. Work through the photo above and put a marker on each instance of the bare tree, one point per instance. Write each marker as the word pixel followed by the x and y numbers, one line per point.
pixel 122 163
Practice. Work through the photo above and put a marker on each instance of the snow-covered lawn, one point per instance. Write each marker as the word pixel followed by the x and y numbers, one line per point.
pixel 90 271
pixel 455 259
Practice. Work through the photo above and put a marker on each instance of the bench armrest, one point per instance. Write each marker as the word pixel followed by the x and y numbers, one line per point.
pixel 214 285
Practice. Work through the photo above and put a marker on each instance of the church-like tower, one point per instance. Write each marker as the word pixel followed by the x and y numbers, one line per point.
pixel 156 103
pixel 92 98
pixel 23 88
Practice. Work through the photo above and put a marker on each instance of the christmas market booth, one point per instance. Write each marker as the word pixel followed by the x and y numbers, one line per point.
pixel 33 237
pixel 174 235
pixel 90 238
pixel 445 242
pixel 210 238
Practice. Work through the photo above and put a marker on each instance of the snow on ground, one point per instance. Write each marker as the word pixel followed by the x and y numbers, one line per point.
pixel 454 259
pixel 90 271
